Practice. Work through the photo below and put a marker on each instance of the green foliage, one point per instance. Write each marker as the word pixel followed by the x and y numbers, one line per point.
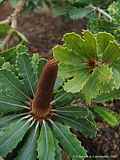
pixel 96 24
pixel 28 150
pixel 89 64
pixel 25 70
pixel 45 138
pixel 108 116
pixel 68 141
pixel 9 55
pixel 67 8
pixel 58 155
pixel 114 11
pixel 2 60
pixel 7 119
pixel 70 9
pixel 46 145
pixel 87 127
pixel 112 118
pixel 11 82
pixel 3 29
pixel 115 94
pixel 1 1
pixel 76 9
pixel 12 135
pixel 99 23
pixel 30 4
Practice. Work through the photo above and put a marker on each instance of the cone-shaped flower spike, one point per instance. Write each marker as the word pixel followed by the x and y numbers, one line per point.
pixel 43 96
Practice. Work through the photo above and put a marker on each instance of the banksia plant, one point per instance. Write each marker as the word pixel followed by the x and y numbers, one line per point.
pixel 37 114
pixel 89 64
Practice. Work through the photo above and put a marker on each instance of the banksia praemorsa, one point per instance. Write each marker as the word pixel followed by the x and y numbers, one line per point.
pixel 36 116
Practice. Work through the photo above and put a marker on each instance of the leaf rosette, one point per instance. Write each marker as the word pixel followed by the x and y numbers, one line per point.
pixel 89 64
pixel 35 137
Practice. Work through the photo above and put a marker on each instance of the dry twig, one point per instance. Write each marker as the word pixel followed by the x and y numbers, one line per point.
pixel 12 21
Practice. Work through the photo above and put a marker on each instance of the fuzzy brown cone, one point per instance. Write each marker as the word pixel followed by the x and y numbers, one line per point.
pixel 43 96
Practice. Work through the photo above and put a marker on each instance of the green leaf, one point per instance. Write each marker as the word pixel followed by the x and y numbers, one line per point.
pixel 6 120
pixel 82 63
pixel 90 44
pixel 9 104
pixel 116 71
pixel 63 54
pixel 76 44
pixel 9 54
pixel 12 135
pixel 103 40
pixel 115 94
pixel 112 52
pixel 58 84
pixel 59 11
pixel 11 86
pixel 4 28
pixel 68 141
pixel 62 98
pixel 105 74
pixel 84 48
pixel 58 155
pixel 73 87
pixel 75 112
pixel 112 118
pixel 91 89
pixel 85 124
pixel 28 150
pixel 114 11
pixel 116 80
pixel 2 60
pixel 1 1
pixel 22 49
pixel 98 82
pixel 77 13
pixel 68 71
pixel 46 144
pixel 7 66
pixel 26 71
pixel 37 65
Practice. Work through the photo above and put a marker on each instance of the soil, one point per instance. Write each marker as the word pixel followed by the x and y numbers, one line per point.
pixel 44 32
pixel 106 145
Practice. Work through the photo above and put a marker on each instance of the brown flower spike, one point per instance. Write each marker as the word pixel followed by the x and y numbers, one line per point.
pixel 41 102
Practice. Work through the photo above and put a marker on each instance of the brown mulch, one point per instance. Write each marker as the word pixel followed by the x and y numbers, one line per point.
pixel 5 11
pixel 44 31
pixel 106 145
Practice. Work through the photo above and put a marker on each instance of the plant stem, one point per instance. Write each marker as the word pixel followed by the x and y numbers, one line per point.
pixel 12 21
pixel 19 8
pixel 43 96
